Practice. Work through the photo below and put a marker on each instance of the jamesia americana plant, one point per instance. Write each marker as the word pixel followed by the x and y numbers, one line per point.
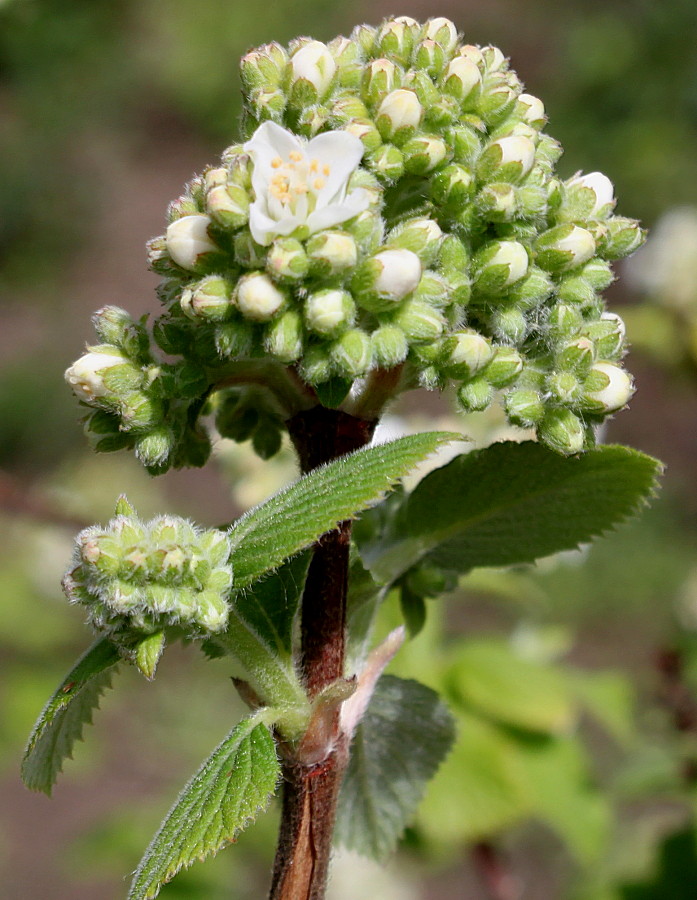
pixel 391 219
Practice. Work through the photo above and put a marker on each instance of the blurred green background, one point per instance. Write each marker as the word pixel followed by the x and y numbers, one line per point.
pixel 106 109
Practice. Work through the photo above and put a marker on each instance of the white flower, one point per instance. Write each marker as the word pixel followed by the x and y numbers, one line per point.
pixel 188 240
pixel 315 64
pixel 400 273
pixel 85 375
pixel 302 183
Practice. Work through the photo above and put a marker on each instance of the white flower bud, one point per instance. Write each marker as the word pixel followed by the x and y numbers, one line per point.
pixel 603 190
pixel 258 298
pixel 469 51
pixel 615 394
pixel 564 247
pixel 507 159
pixel 466 353
pixel 333 251
pixel 188 241
pixel 500 265
pixel 461 77
pixel 314 63
pixel 615 320
pixel 85 376
pixel 327 312
pixel 533 109
pixel 402 108
pixel 400 273
pixel 443 31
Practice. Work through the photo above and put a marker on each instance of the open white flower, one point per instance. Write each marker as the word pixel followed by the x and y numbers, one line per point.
pixel 302 183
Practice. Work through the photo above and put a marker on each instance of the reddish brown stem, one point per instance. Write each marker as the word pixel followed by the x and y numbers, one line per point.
pixel 310 791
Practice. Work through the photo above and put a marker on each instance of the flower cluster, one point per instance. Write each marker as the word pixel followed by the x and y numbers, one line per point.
pixel 137 578
pixel 395 204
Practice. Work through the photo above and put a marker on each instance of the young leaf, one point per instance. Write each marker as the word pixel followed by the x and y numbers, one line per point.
pixel 62 719
pixel 513 503
pixel 148 653
pixel 293 519
pixel 234 784
pixel 397 748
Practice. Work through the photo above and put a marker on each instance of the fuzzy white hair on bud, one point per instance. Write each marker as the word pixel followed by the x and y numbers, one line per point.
pixel 400 273
pixel 188 240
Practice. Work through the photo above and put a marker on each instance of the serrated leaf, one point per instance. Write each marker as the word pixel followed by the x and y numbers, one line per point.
pixel 513 503
pixel 489 678
pixel 397 748
pixel 70 708
pixel 234 784
pixel 294 518
pixel 148 653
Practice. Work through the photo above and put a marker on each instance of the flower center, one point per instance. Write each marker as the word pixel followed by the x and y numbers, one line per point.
pixel 297 177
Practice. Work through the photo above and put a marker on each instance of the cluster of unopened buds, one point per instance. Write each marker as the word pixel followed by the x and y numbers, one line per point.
pixel 394 206
pixel 140 578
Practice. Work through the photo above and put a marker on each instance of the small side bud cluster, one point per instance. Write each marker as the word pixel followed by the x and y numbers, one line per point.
pixel 395 203
pixel 139 578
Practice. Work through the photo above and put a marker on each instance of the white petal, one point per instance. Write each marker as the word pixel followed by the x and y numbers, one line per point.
pixel 268 142
pixel 356 202
pixel 342 152
pixel 264 229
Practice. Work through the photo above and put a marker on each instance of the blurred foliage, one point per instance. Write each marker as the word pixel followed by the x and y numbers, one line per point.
pixel 609 634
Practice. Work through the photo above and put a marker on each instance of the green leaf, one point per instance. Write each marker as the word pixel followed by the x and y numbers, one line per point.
pixel 513 503
pixel 234 784
pixel 148 653
pixel 397 748
pixel 490 678
pixel 609 698
pixel 364 598
pixel 62 719
pixel 294 518
pixel 333 392
pixel 270 604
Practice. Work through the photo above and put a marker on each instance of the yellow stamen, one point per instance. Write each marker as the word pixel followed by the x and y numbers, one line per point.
pixel 276 162
pixel 326 169
pixel 314 166
pixel 300 189
pixel 295 155
pixel 318 184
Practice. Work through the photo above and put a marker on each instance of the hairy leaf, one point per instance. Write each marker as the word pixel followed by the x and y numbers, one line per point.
pixel 62 719
pixel 294 518
pixel 234 784
pixel 402 739
pixel 513 503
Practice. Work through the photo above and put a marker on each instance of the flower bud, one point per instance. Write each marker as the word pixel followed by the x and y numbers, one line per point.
pixel 524 407
pixel 399 114
pixel 509 325
pixel 470 51
pixel 210 299
pixel 562 431
pixel 140 412
pixel 497 203
pixel 564 247
pixel 532 290
pixel 598 273
pixel 228 205
pixel 532 110
pixel 505 367
pixel 452 187
pixel 348 108
pixel 429 57
pixel 366 132
pixel 498 265
pixel 247 252
pixel 623 237
pixel 315 364
pixel 387 162
pixel 507 159
pixel 607 388
pixel 419 321
pixel 463 80
pixel 465 353
pixel 422 236
pixel 475 396
pixel 116 327
pixel 331 252
pixel 426 92
pixel 349 66
pixel 379 79
pixel 575 289
pixel 351 354
pixel 496 101
pixel 576 356
pixel 589 196
pixel 443 31
pixel 154 447
pixel 436 290
pixel 564 387
pixel 465 143
pixel 395 38
pixel 258 298
pixel 287 260
pixel 314 65
pixel 234 339
pixel 387 278
pixel 86 376
pixel 284 337
pixel 390 346
pixel 182 206
pixel 329 312
pixel 188 243
pixel 564 322
pixel 264 67
pixel 607 334
pixel 423 154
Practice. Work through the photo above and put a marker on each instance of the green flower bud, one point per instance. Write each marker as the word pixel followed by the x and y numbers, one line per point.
pixel 564 387
pixel 475 396
pixel 210 299
pixel 436 290
pixel 532 290
pixel 349 65
pixel 116 328
pixel 188 242
pixel 248 253
pixel 465 353
pixel 381 77
pixel 589 196
pixel 623 237
pixel 498 265
pixel 312 72
pixel 239 167
pixel 466 144
pixel 366 132
pixel 564 322
pixel 89 376
pixel 228 205
pixel 154 447
pixel 399 115
pixel 509 325
pixel 387 162
pixel 258 298
pixel 287 261
pixel 429 57
pixel 497 99
pixel 365 36
pixel 423 154
pixel 507 159
pixel 607 388
pixel 331 252
pixel 422 236
pixel 531 110
pixel 524 407
pixel 463 81
pixel 140 412
pixel 315 365
pixel 329 312
pixel 386 279
pixel 598 274
pixel 497 203
pixel 351 354
pixel 443 31
pixel 389 345
pixel 504 368
pixel 395 38
pixel 562 431
pixel 452 187
pixel 564 247
pixel 531 201
pixel 234 339
pixel 264 67
pixel 181 207
pixel 347 108
pixel 607 334
pixel 284 337
pixel 576 356
pixel 575 289
pixel 419 321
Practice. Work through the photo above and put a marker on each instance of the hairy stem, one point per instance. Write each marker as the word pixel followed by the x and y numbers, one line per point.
pixel 311 786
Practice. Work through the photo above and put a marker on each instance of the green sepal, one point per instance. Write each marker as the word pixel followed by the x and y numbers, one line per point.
pixel 148 653
pixel 333 392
